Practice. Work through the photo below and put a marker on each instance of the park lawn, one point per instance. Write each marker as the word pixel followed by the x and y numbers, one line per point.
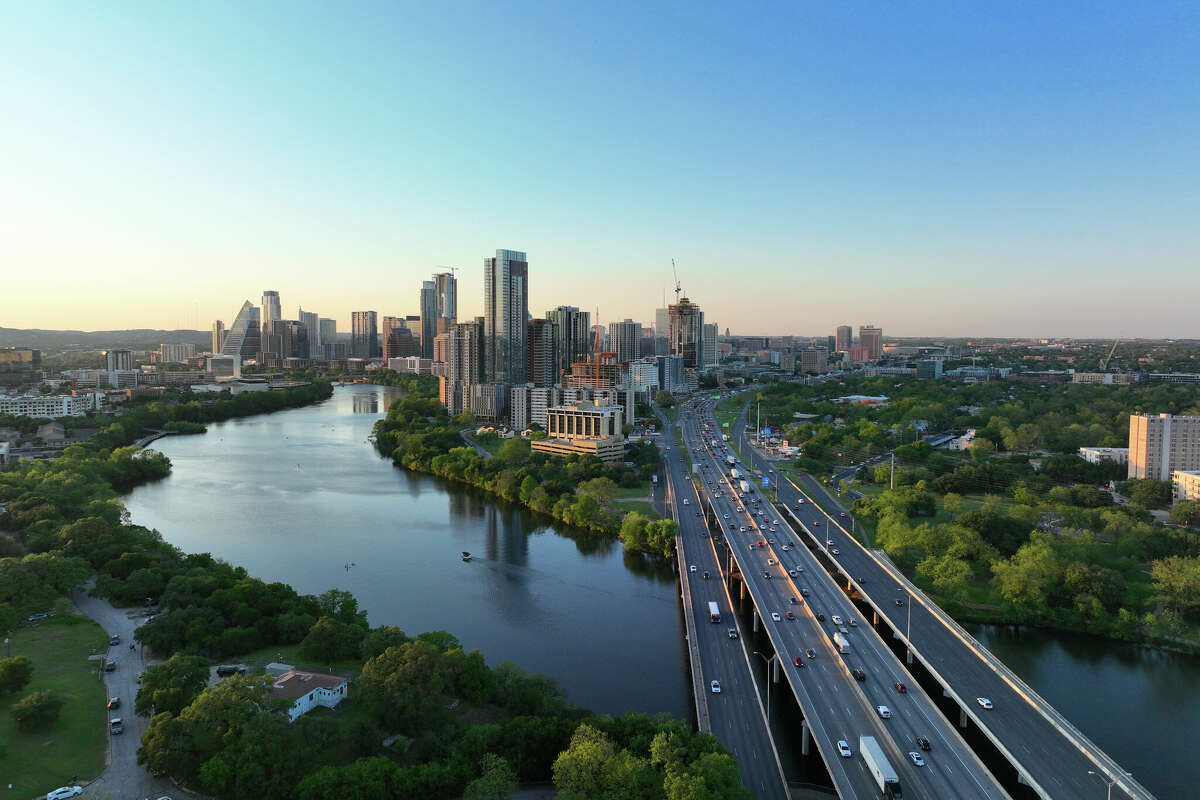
pixel 632 494
pixel 75 744
pixel 290 654
pixel 640 506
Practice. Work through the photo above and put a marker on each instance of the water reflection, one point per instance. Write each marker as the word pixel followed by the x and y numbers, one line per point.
pixel 366 403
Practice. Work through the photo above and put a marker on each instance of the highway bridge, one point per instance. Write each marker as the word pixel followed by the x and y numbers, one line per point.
pixel 1044 750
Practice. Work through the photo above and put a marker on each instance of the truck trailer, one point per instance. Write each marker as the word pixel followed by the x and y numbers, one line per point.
pixel 843 644
pixel 745 487
pixel 879 767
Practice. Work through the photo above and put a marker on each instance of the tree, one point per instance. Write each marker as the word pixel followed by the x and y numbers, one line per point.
pixel 379 639
pixel 952 502
pixel 664 399
pixel 514 450
pixel 1187 512
pixel 950 575
pixel 1150 493
pixel 171 686
pixel 593 767
pixel 37 710
pixel 495 782
pixel 1177 582
pixel 15 674
pixel 332 640
pixel 1030 575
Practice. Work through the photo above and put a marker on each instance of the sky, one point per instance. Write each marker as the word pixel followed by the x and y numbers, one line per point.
pixel 934 168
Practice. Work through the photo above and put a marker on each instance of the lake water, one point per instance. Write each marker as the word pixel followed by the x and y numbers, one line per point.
pixel 302 497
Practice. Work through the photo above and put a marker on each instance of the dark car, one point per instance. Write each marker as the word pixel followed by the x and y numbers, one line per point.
pixel 110 666
pixel 114 702
pixel 114 639
pixel 859 675
pixel 898 601
pixel 900 687
pixel 796 660
pixel 705 574
pixel 923 743
pixel 820 617
pixel 789 615
pixel 810 653
pixel 230 669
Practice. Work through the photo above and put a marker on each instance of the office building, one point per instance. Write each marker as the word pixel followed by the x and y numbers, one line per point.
pixel 429 317
pixel 505 313
pixel 335 351
pixel 225 367
pixel 642 377
pixel 218 337
pixel 930 368
pixel 399 342
pixel 842 338
pixel 542 369
pixel 584 428
pixel 870 339
pixel 670 374
pixel 1185 485
pixel 169 353
pixel 624 339
pixel 312 330
pixel 413 364
pixel 47 406
pixel 489 402
pixel 271 309
pixel 687 333
pixel 1160 444
pixel 244 338
pixel 465 365
pixel 328 331
pixel 814 360
pixel 709 331
pixel 118 359
pixel 441 347
pixel 364 335
pixel 573 331
pixel 446 288
pixel 662 331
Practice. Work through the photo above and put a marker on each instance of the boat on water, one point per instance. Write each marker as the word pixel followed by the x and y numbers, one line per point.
pixel 466 556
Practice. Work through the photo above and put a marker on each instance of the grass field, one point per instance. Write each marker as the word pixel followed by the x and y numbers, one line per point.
pixel 36 762
pixel 290 654
pixel 633 494
pixel 638 505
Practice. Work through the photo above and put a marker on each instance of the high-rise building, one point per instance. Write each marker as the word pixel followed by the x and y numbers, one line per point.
pixel 441 347
pixel 687 333
pixel 505 312
pixel 176 353
pixel 446 286
pixel 271 309
pixel 244 337
pixel 542 369
pixel 465 365
pixel 1160 444
pixel 218 336
pixel 429 317
pixel 572 327
pixel 871 339
pixel 625 339
pixel 662 331
pixel 118 359
pixel 843 338
pixel 399 342
pixel 328 333
pixel 312 329
pixel 364 335
pixel 710 344
pixel 814 359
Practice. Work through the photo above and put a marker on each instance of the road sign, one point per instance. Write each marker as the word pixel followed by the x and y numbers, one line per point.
pixel 766 482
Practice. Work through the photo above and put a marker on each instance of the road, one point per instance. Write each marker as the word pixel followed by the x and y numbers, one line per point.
pixel 1059 762
pixel 835 704
pixel 124 779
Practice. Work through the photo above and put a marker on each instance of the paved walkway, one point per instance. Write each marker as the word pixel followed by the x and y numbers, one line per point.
pixel 124 779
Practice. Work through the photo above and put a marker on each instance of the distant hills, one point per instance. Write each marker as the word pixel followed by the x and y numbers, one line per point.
pixel 50 342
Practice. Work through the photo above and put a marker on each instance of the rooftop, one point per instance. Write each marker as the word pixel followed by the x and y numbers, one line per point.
pixel 296 683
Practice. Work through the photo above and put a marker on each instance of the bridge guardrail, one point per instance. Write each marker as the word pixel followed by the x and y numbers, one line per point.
pixel 689 618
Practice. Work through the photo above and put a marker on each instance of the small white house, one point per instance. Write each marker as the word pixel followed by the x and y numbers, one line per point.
pixel 308 690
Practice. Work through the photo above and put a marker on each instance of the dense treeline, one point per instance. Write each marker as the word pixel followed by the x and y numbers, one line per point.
pixel 418 434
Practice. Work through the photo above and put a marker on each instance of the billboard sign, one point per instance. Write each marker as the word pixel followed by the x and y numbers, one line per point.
pixel 766 482
pixel 764 433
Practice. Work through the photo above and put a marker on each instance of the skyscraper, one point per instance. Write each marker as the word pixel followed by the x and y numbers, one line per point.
pixel 710 344
pixel 446 286
pixel 505 312
pixel 244 337
pixel 429 315
pixel 687 333
pixel 1161 444
pixel 572 330
pixel 312 330
pixel 625 339
pixel 870 339
pixel 843 336
pixel 118 359
pixel 543 358
pixel 662 331
pixel 364 335
pixel 328 335
pixel 218 337
pixel 271 310
pixel 464 365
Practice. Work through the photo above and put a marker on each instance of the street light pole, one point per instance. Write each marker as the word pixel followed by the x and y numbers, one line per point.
pixel 768 663
pixel 1109 782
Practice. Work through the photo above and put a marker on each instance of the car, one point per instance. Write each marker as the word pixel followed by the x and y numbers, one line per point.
pixel 843 514
pixel 810 653
pixel 740 509
pixel 110 666
pixel 792 572
pixel 114 639
pixel 742 529
pixel 732 633
pixel 231 669
pixel 766 575
pixel 775 616
pixel 900 687
pixel 829 542
pixel 984 702
pixel 41 616
pixel 692 568
pixel 804 592
pixel 844 749
pixel 786 547
pixel 916 758
pixel 114 702
pixel 898 601
pixel 842 629
pixel 835 551
pixel 139 677
pixel 770 541
pixel 770 562
pixel 726 516
pixel 858 674
pixel 64 792
pixel 115 726
pixel 789 615
pixel 853 622
pixel 793 600
pixel 816 523
pixel 836 619
pixel 923 743
pixel 705 574
pixel 884 712
pixel 820 617
pixel 715 686
pixel 699 514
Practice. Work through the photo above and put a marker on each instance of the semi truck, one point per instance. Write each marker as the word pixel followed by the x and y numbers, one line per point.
pixel 879 767
pixel 843 644
pixel 733 473
pixel 730 460
pixel 714 612
pixel 745 487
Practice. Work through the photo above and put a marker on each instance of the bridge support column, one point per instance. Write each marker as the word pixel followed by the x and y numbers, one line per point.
pixel 962 718
pixel 804 737
pixel 908 656
pixel 1021 779
pixel 754 617
pixel 874 618
pixel 849 585
pixel 775 669
pixel 741 591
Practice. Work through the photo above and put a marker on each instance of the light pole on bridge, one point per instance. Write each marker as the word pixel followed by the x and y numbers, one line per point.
pixel 1109 782
pixel 768 660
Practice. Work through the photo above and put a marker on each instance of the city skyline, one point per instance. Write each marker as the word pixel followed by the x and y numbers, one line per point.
pixel 943 174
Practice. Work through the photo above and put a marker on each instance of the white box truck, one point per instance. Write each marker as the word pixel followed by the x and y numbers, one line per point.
pixel 880 768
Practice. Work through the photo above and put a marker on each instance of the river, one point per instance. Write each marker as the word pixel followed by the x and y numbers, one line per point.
pixel 301 496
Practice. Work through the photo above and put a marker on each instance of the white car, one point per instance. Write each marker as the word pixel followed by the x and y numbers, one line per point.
pixel 916 758
pixel 726 516
pixel 775 616
pixel 835 551
pixel 692 568
pixel 770 562
pixel 844 749
pixel 983 701
pixel 64 792
pixel 786 547
pixel 836 619
pixel 716 687
pixel 884 712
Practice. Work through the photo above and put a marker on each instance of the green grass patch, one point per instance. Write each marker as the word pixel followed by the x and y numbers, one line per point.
pixel 645 508
pixel 35 762
pixel 290 654
pixel 635 494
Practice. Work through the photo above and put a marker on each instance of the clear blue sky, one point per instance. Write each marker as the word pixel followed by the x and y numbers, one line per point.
pixel 933 168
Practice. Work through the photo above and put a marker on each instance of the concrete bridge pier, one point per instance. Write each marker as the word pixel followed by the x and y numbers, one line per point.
pixel 741 591
pixel 775 662
pixel 754 617
pixel 962 718
pixel 908 656
pixel 804 738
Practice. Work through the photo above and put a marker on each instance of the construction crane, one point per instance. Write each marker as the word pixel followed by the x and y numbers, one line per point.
pixel 1104 362
pixel 678 288
pixel 596 345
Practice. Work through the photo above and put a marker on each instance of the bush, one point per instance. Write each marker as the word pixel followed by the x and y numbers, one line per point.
pixel 15 674
pixel 37 710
